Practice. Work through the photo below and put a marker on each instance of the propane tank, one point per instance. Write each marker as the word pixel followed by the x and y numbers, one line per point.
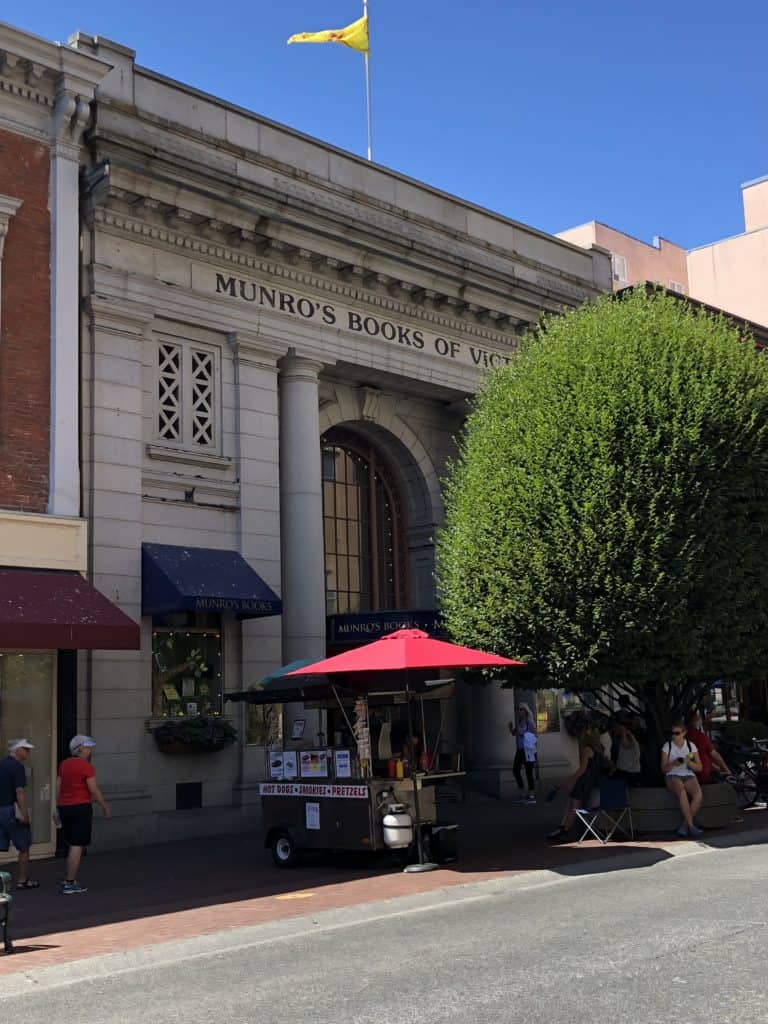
pixel 397 827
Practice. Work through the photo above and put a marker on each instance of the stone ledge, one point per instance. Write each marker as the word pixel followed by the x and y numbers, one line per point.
pixel 655 809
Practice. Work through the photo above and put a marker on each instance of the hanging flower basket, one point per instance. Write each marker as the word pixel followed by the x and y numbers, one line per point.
pixel 199 735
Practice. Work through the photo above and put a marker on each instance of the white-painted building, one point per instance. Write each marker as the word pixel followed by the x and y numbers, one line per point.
pixel 277 340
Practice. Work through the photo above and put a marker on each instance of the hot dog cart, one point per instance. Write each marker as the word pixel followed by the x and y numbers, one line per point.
pixel 347 796
pixel 351 795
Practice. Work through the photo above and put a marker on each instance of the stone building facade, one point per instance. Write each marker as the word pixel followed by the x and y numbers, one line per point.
pixel 267 322
pixel 276 344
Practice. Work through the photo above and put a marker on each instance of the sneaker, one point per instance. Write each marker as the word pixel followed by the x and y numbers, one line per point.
pixel 694 830
pixel 683 831
pixel 69 888
pixel 530 799
pixel 559 833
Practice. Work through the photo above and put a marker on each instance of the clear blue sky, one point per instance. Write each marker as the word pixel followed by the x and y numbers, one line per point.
pixel 645 115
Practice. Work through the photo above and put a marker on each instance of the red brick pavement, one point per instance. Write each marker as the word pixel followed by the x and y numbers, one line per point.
pixel 179 890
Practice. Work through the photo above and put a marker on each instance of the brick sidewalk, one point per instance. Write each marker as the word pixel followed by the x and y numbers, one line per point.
pixel 179 890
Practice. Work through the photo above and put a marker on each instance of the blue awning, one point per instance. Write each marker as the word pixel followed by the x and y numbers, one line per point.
pixel 175 579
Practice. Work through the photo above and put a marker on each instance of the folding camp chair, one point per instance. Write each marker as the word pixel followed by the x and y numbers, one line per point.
pixel 612 814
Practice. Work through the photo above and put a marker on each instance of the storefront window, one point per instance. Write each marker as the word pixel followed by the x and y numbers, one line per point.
pixel 264 726
pixel 187 666
pixel 548 707
pixel 27 709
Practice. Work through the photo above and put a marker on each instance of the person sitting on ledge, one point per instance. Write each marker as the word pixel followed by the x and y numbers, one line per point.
pixel 708 755
pixel 627 759
pixel 679 763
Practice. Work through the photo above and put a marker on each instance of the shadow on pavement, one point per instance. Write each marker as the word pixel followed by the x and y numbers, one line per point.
pixel 217 872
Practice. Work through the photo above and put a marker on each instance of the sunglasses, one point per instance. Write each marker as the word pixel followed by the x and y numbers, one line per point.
pixel 677 732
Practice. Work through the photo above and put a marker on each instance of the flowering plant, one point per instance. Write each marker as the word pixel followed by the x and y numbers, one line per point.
pixel 201 733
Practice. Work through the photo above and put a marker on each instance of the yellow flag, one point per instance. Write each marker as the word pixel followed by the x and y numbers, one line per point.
pixel 355 36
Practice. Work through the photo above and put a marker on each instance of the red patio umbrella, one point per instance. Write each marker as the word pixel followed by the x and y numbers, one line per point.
pixel 406 649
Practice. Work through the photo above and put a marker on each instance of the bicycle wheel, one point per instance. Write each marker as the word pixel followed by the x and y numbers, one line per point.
pixel 746 789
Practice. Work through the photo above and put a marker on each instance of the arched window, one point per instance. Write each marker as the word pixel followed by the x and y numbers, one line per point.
pixel 365 556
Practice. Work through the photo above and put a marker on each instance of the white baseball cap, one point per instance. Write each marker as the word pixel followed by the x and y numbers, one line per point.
pixel 14 745
pixel 80 741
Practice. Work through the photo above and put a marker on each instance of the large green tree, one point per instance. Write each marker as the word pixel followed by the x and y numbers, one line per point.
pixel 607 515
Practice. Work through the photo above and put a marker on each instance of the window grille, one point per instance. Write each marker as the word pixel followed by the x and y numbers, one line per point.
pixel 202 398
pixel 185 395
pixel 169 392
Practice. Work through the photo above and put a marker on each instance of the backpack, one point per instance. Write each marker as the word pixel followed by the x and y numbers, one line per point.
pixel 668 747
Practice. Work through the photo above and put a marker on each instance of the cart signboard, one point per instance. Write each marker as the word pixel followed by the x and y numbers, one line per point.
pixel 308 789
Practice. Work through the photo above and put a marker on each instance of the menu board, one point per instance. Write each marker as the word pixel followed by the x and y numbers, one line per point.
pixel 312 815
pixel 313 764
pixel 342 764
pixel 283 764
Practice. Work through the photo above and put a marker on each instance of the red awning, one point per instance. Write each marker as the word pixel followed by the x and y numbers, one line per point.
pixel 52 610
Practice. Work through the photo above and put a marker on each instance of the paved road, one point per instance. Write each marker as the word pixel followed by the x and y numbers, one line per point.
pixel 682 941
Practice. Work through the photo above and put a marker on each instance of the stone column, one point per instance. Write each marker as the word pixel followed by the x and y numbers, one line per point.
pixel 254 368
pixel 70 117
pixel 301 521
pixel 115 695
pixel 493 746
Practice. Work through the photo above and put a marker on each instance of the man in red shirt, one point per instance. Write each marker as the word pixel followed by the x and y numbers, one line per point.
pixel 76 790
pixel 707 753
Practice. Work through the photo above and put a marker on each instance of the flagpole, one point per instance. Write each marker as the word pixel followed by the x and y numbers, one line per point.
pixel 368 84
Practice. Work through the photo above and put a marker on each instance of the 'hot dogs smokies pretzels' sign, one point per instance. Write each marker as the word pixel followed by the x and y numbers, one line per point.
pixel 313 790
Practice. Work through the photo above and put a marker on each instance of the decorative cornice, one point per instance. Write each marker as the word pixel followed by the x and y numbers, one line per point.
pixel 119 316
pixel 35 70
pixel 70 119
pixel 255 350
pixel 342 280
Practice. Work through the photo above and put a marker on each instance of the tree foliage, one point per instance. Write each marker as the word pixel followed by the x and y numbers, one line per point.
pixel 607 513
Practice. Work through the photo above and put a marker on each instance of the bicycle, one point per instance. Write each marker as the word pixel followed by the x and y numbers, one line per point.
pixel 750 779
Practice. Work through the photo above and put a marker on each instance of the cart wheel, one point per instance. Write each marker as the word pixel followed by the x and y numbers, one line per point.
pixel 285 852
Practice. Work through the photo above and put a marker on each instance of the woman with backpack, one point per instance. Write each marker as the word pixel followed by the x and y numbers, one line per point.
pixel 586 778
pixel 679 763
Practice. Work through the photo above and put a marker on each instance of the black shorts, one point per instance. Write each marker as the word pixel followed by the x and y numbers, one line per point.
pixel 76 823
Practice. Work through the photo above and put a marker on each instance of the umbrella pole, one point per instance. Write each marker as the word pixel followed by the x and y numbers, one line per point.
pixel 422 865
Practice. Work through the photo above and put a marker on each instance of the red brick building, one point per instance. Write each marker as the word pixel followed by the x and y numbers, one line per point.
pixel 47 609
pixel 25 324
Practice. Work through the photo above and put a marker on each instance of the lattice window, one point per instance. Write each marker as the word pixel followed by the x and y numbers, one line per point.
pixel 169 392
pixel 186 404
pixel 202 397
